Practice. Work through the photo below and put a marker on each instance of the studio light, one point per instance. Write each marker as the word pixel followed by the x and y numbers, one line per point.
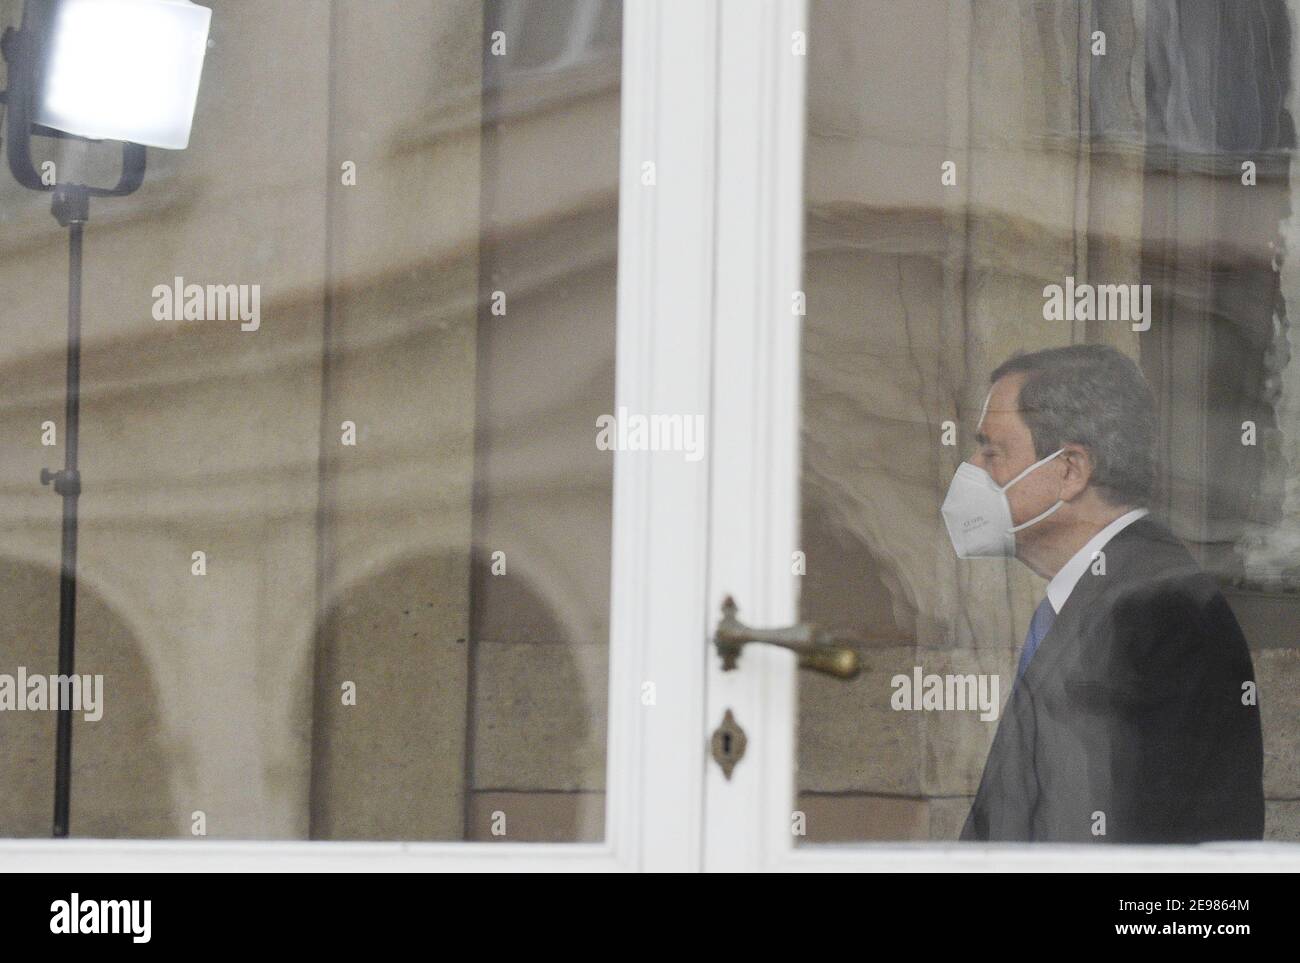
pixel 124 70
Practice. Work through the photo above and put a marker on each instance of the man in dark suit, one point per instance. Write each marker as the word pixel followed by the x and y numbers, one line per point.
pixel 1133 717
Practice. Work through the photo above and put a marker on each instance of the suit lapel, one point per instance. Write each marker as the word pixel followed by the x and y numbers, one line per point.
pixel 1087 599
pixel 1008 791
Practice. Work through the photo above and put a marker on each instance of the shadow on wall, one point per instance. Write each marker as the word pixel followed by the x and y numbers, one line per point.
pixel 120 768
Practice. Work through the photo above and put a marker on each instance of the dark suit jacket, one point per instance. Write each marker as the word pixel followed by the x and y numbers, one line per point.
pixel 1131 707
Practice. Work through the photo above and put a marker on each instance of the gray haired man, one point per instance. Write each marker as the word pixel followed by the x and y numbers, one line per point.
pixel 1132 718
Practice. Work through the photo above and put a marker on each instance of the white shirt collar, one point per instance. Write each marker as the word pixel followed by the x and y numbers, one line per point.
pixel 1064 581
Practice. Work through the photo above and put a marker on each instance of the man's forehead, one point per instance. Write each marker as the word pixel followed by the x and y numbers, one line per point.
pixel 1002 399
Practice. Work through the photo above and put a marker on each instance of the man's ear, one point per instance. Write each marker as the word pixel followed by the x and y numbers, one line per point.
pixel 1077 467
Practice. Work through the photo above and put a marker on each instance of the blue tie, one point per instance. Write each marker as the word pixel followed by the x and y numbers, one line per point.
pixel 1039 626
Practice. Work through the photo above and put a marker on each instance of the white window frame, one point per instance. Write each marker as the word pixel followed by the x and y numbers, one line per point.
pixel 754 515
pixel 709 255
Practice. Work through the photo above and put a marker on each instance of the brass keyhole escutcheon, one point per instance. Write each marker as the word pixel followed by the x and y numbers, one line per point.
pixel 728 743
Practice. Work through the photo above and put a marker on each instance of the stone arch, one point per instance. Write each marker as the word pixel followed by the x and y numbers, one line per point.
pixel 120 764
pixel 396 765
pixel 391 765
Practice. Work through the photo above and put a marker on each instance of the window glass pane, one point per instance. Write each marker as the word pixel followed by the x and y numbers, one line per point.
pixel 343 562
pixel 988 180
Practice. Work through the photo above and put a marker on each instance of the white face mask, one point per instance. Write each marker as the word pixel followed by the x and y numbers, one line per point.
pixel 978 514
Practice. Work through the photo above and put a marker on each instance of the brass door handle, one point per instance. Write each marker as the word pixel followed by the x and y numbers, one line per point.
pixel 817 650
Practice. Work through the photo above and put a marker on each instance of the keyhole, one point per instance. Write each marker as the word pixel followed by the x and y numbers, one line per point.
pixel 726 743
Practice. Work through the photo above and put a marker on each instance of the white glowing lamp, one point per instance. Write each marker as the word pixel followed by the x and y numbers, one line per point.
pixel 125 70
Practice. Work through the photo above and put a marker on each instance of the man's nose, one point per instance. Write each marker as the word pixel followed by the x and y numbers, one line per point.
pixel 977 459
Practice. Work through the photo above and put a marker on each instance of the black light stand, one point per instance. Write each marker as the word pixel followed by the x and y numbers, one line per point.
pixel 70 204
